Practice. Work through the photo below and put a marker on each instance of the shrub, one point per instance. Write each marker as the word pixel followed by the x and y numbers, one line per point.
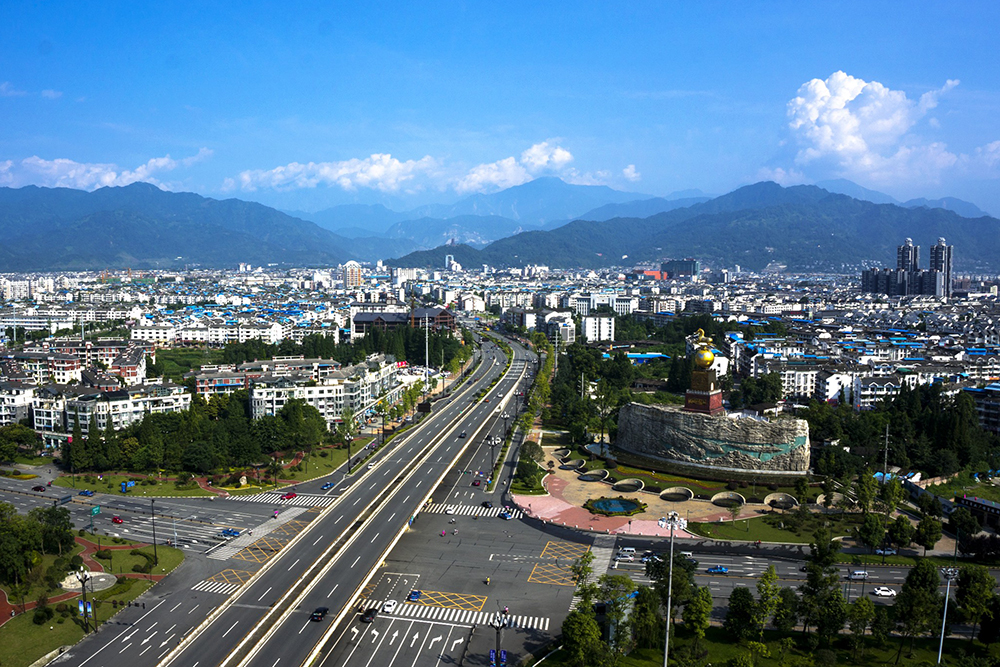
pixel 61 607
pixel 611 464
pixel 81 532
pixel 76 561
pixel 61 619
pixel 772 487
pixel 39 617
pixel 743 484
pixel 104 554
pixel 732 486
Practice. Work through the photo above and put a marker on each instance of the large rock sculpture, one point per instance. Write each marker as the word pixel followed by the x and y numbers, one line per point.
pixel 669 433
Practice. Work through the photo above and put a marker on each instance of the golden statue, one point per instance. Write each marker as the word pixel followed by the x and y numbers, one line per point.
pixel 703 356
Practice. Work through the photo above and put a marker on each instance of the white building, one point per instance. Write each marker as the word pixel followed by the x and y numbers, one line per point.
pixel 597 328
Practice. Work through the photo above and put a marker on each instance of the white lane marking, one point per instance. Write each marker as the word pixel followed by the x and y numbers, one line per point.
pixel 317 540
pixel 175 606
pixel 355 561
pixel 230 628
pixel 374 538
pixel 294 564
pixel 333 589
pixel 265 593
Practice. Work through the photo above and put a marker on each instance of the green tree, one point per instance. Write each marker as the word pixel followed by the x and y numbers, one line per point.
pixel 739 623
pixel 582 639
pixel 871 531
pixel 615 591
pixel 917 603
pixel 768 599
pixel 698 614
pixel 989 627
pixel 533 451
pixel 901 532
pixel 962 522
pixel 647 624
pixel 928 532
pixel 859 616
pixel 975 594
pixel 786 614
pixel 866 489
pixel 821 579
pixel 833 614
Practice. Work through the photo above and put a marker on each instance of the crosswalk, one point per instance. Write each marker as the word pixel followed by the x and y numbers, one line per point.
pixel 221 587
pixel 235 545
pixel 460 616
pixel 603 550
pixel 274 498
pixel 471 510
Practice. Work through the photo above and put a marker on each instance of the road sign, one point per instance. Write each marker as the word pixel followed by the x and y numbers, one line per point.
pixel 95 510
pixel 503 658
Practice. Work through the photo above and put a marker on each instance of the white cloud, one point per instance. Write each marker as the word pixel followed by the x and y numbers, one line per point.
pixel 631 174
pixel 379 171
pixel 781 176
pixel 63 172
pixel 52 94
pixel 850 127
pixel 540 159
pixel 7 90
pixel 497 175
pixel 989 154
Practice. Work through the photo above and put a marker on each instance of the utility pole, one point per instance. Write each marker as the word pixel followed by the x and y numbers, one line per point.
pixel 949 574
pixel 152 514
pixel 674 521
pixel 885 456
pixel 427 356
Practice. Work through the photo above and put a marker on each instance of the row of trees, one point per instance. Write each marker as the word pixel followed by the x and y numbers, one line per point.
pixel 24 538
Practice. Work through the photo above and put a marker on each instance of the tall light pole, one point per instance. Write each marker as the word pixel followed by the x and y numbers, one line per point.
pixel 152 514
pixel 83 577
pixel 949 574
pixel 674 521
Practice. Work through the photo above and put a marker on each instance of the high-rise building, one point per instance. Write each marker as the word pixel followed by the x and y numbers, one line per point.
pixel 941 259
pixel 448 261
pixel 908 256
pixel 351 274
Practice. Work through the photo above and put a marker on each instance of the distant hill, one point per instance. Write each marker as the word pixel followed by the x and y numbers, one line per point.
pixel 640 209
pixel 473 230
pixel 803 227
pixel 142 226
pixel 962 208
pixel 851 189
pixel 374 219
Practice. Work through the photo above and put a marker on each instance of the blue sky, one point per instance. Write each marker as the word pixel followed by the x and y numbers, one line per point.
pixel 304 105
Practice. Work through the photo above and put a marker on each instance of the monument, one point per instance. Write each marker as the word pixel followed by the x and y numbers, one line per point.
pixel 701 440
pixel 705 395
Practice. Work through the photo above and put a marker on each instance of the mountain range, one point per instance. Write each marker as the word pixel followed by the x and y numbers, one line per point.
pixel 546 221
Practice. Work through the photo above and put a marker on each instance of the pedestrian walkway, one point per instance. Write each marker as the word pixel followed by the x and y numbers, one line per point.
pixel 220 587
pixel 459 616
pixel 237 544
pixel 300 500
pixel 603 550
pixel 471 510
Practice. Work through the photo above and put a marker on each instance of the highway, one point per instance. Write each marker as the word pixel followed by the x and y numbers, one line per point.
pixel 266 622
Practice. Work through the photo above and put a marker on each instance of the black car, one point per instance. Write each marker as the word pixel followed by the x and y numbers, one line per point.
pixel 369 615
pixel 487 504
pixel 462 434
pixel 319 614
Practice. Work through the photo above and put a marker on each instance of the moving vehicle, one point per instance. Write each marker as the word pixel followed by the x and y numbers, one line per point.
pixel 38 488
pixel 462 434
pixel 505 515
pixel 319 614
pixel 230 532
pixel 650 557
pixel 86 492
pixel 476 482
pixel 858 574
pixel 718 569
pixel 888 551
pixel 628 558
pixel 117 519
pixel 487 504
pixel 328 485
pixel 389 606
pixel 369 615
pixel 289 495
pixel 413 596
pixel 450 509
pixel 883 592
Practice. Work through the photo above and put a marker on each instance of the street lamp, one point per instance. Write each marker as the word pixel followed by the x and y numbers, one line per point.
pixel 152 514
pixel 83 576
pixel 949 574
pixel 505 418
pixel 673 521
pixel 348 439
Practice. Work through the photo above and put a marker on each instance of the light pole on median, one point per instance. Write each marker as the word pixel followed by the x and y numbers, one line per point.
pixel 949 574
pixel 152 514
pixel 674 521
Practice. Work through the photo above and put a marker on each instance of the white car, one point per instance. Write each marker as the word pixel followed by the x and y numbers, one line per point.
pixel 389 606
pixel 628 558
pixel 888 551
pixel 449 510
pixel 883 592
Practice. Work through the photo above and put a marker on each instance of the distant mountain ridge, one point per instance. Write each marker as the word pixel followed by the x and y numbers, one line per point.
pixel 845 187
pixel 802 227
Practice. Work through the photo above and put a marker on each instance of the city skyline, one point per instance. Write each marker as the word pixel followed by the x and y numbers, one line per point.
pixel 319 106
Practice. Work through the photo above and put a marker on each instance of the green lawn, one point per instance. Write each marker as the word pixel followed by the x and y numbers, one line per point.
pixel 178 361
pixel 22 642
pixel 965 484
pixel 777 527
pixel 112 484
pixel 720 648
pixel 121 560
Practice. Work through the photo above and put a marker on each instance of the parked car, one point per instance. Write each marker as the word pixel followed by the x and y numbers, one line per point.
pixel 86 492
pixel 328 485
pixel 289 495
pixel 413 596
pixel 117 519
pixel 883 592
pixel 319 614
pixel 369 615
pixel 718 569
pixel 888 551
pixel 38 488
pixel 389 606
